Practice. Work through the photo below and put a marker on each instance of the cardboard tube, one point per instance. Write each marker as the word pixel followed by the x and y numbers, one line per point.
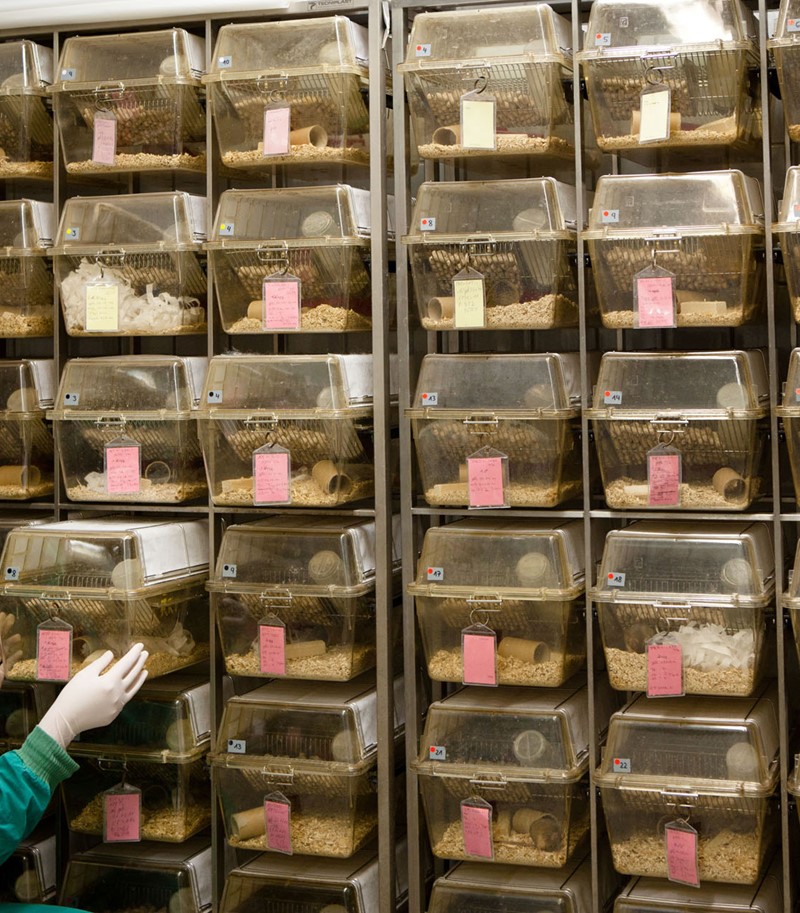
pixel 326 567
pixel 702 308
pixel 636 119
pixel 250 823
pixel 441 308
pixel 329 479
pixel 304 649
pixel 15 475
pixel 447 136
pixel 729 484
pixel 529 651
pixel 255 309
pixel 309 136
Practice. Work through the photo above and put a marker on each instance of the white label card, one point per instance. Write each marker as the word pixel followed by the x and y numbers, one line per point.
pixel 654 106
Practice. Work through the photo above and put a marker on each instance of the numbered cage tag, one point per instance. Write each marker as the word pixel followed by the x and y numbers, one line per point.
pixel 476 828
pixel 53 651
pixel 680 844
pixel 479 655
pixel 654 299
pixel 277 132
pixel 272 475
pixel 281 302
pixel 104 138
pixel 469 299
pixel 101 307
pixel 122 465
pixel 655 120
pixel 122 814
pixel 487 479
pixel 278 823
pixel 664 476
pixel 271 646
pixel 478 121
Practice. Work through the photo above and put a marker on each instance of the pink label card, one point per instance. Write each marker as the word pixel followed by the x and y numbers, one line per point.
pixel 655 302
pixel 664 670
pixel 281 304
pixel 123 470
pixel 276 131
pixel 104 140
pixel 485 481
pixel 682 855
pixel 664 479
pixel 480 664
pixel 271 478
pixel 122 817
pixel 272 649
pixel 476 827
pixel 53 655
pixel 279 825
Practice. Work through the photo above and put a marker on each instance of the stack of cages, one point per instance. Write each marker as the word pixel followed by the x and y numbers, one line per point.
pixel 26 275
pixel 26 442
pixel 146 876
pixel 288 430
pixel 126 429
pixel 131 102
pixel 26 127
pixel 502 774
pixel 519 60
pixel 294 597
pixel 784 45
pixel 679 430
pixel 295 766
pixel 704 54
pixel 272 883
pixel 705 764
pixel 518 236
pixel 521 581
pixel 29 874
pixel 153 755
pixel 130 265
pixel 292 92
pixel 521 411
pixel 786 231
pixel 704 230
pixel 706 588
pixel 293 259
pixel 77 588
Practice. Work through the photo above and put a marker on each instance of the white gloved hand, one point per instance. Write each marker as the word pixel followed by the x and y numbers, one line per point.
pixel 90 699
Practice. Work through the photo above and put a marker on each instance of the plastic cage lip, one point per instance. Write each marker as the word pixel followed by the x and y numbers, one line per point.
pixel 501 775
pixel 643 414
pixel 643 52
pixel 217 585
pixel 674 791
pixel 613 596
pixel 119 754
pixel 511 594
pixel 452 64
pixel 431 239
pixel 491 416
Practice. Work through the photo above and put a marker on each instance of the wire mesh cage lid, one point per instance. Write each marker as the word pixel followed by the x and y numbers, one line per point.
pixel 167 221
pixel 317 384
pixel 27 386
pixel 714 745
pixel 107 554
pixel 163 56
pixel 188 862
pixel 520 210
pixel 520 558
pixel 705 562
pixel 169 720
pixel 26 227
pixel 702 202
pixel 318 724
pixel 544 384
pixel 26 68
pixel 723 384
pixel 161 386
pixel 533 32
pixel 519 732
pixel 337 215
pixel 633 27
pixel 308 555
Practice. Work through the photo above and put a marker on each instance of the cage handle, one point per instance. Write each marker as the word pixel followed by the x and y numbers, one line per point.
pixel 109 422
pixel 489 782
pixel 677 794
pixel 667 250
pixel 654 73
pixel 282 599
pixel 102 258
pixel 253 421
pixel 108 90
pixel 477 425
pixel 282 777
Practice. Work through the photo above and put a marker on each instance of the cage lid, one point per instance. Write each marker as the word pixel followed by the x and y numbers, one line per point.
pixel 22 705
pixel 304 555
pixel 321 384
pixel 702 562
pixel 703 202
pixel 172 220
pixel 789 218
pixel 791 598
pixel 524 210
pixel 168 721
pixel 786 27
pixel 532 32
pixel 540 384
pixel 316 725
pixel 327 44
pixel 523 559
pixel 723 384
pixel 298 216
pixel 704 744
pixel 113 556
pixel 652 895
pixel 166 55
pixel 634 27
pixel 26 227
pixel 26 386
pixel 130 384
pixel 524 733
pixel 26 68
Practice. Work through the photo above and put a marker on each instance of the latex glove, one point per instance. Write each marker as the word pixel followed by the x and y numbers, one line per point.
pixel 90 699
pixel 10 644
